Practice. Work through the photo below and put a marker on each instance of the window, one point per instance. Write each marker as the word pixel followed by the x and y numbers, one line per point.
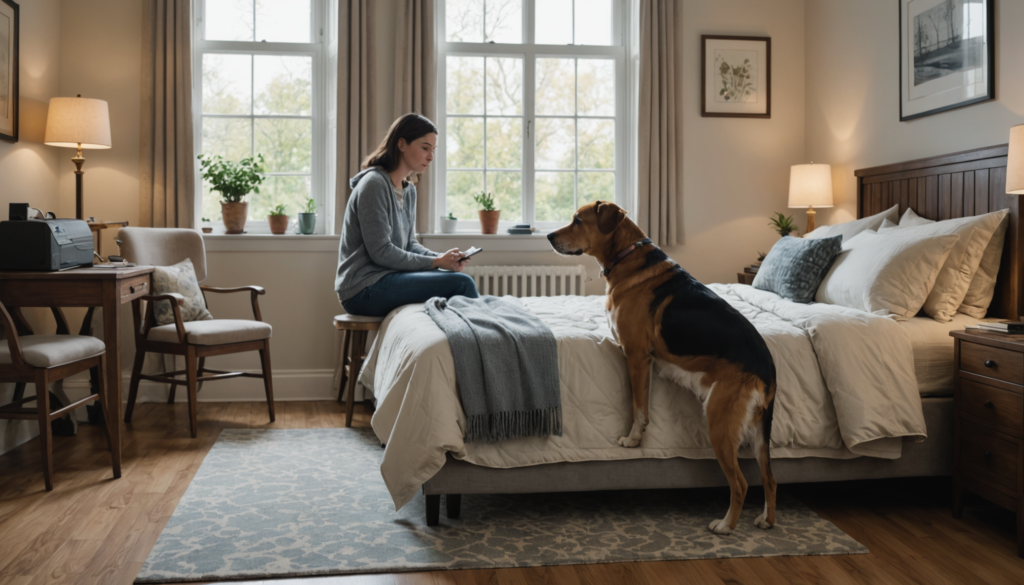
pixel 533 96
pixel 259 83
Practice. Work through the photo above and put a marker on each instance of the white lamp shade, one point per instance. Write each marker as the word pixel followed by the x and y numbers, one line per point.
pixel 810 185
pixel 1015 162
pixel 76 120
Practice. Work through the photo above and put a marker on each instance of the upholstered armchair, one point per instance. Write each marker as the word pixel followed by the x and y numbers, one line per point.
pixel 195 340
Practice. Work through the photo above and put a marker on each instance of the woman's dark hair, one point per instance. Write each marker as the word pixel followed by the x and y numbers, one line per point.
pixel 410 127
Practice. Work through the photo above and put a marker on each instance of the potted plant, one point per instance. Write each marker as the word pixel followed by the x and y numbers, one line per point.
pixel 234 181
pixel 278 220
pixel 207 228
pixel 307 219
pixel 783 224
pixel 488 214
pixel 448 223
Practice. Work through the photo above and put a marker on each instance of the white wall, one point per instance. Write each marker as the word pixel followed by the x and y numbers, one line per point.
pixel 853 97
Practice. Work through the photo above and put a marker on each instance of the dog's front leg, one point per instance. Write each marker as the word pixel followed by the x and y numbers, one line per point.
pixel 639 365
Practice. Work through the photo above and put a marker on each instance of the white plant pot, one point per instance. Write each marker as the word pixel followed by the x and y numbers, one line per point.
pixel 448 225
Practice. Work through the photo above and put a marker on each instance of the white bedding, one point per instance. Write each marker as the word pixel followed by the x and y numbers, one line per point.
pixel 861 400
pixel 933 351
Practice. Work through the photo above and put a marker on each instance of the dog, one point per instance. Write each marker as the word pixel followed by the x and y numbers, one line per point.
pixel 659 313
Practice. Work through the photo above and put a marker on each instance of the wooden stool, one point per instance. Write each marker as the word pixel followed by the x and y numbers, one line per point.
pixel 354 330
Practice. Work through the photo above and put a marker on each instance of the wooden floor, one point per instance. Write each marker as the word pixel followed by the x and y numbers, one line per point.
pixel 92 529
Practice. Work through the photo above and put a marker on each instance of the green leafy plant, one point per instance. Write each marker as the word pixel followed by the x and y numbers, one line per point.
pixel 279 210
pixel 782 224
pixel 310 205
pixel 233 180
pixel 206 220
pixel 451 215
pixel 485 200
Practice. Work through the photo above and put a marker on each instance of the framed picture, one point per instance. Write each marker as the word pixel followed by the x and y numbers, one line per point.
pixel 947 48
pixel 736 77
pixel 8 70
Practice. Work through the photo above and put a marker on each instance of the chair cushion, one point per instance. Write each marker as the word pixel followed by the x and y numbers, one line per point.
pixel 47 351
pixel 214 332
pixel 181 279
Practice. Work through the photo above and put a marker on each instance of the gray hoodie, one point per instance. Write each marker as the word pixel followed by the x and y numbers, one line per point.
pixel 377 237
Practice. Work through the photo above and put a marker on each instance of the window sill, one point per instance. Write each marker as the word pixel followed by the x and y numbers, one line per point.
pixel 537 242
pixel 271 243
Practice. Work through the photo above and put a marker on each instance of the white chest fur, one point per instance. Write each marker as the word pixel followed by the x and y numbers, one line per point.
pixel 686 379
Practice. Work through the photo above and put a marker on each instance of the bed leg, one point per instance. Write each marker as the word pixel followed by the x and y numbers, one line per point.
pixel 433 509
pixel 452 505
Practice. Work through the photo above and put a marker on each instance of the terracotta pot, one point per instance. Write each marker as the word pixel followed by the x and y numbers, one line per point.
pixel 234 215
pixel 489 221
pixel 278 224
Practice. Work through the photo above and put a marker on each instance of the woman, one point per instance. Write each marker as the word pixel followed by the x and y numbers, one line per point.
pixel 381 266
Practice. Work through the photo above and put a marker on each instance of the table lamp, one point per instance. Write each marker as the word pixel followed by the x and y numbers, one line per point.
pixel 78 123
pixel 1015 162
pixel 810 186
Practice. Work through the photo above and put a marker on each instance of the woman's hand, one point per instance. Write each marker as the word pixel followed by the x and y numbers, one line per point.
pixel 450 260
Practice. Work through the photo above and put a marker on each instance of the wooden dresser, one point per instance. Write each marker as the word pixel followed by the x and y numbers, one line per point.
pixel 989 426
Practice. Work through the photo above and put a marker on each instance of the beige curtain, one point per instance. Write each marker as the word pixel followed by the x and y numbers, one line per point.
pixel 660 171
pixel 167 157
pixel 357 134
pixel 415 78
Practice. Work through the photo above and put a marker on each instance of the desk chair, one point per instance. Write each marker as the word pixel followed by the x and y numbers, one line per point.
pixel 196 340
pixel 43 359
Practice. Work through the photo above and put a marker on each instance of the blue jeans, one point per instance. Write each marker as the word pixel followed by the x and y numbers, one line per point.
pixel 404 288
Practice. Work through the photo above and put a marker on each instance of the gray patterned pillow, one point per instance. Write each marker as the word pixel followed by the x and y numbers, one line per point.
pixel 794 267
pixel 181 279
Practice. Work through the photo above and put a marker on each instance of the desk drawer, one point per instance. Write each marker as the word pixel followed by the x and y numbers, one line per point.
pixel 993 407
pixel 990 457
pixel 132 288
pixel 993 362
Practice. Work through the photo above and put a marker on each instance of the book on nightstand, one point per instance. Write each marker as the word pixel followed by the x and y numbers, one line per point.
pixel 1012 327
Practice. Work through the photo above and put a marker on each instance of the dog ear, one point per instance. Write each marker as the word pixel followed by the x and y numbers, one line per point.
pixel 609 216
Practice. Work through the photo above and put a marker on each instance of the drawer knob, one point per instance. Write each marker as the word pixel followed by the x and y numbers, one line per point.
pixel 990 364
pixel 134 289
pixel 988 404
pixel 988 454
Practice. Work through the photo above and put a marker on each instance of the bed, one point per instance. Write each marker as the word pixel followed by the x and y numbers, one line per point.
pixel 846 421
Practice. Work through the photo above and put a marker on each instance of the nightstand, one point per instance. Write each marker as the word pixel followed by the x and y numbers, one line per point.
pixel 988 452
pixel 745 278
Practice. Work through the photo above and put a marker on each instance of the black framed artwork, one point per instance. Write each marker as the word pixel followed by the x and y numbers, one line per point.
pixel 9 25
pixel 947 52
pixel 736 76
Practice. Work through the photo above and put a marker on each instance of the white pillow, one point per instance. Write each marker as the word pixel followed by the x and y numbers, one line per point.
pixel 179 278
pixel 911 218
pixel 886 225
pixel 851 228
pixel 885 274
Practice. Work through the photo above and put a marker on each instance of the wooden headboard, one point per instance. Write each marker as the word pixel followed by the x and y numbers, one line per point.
pixel 961 184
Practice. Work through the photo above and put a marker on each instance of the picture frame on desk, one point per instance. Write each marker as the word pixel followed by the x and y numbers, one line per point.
pixel 10 25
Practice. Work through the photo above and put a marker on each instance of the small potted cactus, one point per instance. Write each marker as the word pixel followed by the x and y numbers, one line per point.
pixel 488 214
pixel 278 220
pixel 448 223
pixel 207 225
pixel 307 218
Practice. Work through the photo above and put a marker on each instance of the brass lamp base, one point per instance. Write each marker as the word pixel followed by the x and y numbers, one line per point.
pixel 810 219
pixel 79 160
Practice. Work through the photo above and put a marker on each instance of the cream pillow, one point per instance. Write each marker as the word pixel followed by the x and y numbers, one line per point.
pixel 179 278
pixel 911 218
pixel 886 274
pixel 983 286
pixel 851 228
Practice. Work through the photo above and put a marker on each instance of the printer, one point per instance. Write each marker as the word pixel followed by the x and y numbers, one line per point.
pixel 45 245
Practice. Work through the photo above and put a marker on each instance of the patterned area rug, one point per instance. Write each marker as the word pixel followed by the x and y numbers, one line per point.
pixel 290 503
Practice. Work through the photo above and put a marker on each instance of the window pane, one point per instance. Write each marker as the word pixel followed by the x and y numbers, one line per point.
pixel 465 85
pixel 504 21
pixel 556 144
pixel 464 21
pixel 291 192
pixel 554 22
pixel 286 144
pixel 229 20
pixel 596 141
pixel 462 185
pixel 283 85
pixel 553 196
pixel 504 143
pixel 594 22
pixel 556 87
pixel 227 137
pixel 227 88
pixel 507 188
pixel 595 87
pixel 504 86
pixel 595 187
pixel 465 143
pixel 211 204
pixel 283 21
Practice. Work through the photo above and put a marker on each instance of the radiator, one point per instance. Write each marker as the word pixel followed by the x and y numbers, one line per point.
pixel 529 281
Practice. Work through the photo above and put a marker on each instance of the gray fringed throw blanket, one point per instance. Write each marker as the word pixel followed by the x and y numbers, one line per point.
pixel 506 366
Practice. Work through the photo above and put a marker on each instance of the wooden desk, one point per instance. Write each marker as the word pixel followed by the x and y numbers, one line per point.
pixel 87 287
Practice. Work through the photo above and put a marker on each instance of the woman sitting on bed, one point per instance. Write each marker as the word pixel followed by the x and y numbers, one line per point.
pixel 381 266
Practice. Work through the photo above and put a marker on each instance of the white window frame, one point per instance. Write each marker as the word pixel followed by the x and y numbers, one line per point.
pixel 619 52
pixel 320 88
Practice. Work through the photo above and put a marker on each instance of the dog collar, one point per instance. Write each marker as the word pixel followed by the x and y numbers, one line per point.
pixel 622 255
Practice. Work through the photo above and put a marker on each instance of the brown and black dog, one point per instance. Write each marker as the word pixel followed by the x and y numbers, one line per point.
pixel 657 311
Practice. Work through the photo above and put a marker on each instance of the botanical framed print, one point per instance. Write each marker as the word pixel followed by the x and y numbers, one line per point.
pixel 947 48
pixel 9 70
pixel 736 76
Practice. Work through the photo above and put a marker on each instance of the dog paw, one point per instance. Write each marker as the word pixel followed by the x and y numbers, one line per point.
pixel 629 442
pixel 762 522
pixel 720 526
